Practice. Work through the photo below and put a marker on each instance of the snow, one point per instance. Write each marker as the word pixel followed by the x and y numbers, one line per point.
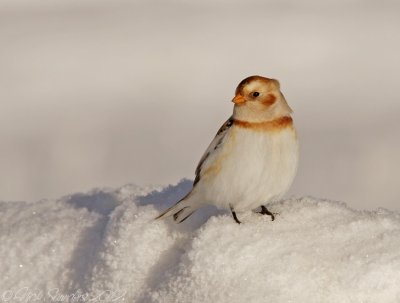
pixel 105 246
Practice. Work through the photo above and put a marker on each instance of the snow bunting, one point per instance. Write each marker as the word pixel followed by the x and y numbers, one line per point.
pixel 252 159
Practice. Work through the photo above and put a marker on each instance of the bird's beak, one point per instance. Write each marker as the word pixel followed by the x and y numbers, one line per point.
pixel 238 99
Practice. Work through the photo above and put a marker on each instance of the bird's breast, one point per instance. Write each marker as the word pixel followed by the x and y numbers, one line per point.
pixel 254 166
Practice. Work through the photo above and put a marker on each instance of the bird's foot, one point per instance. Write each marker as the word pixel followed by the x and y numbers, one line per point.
pixel 265 211
pixel 234 216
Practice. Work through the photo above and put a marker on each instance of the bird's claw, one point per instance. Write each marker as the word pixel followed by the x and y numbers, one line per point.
pixel 265 211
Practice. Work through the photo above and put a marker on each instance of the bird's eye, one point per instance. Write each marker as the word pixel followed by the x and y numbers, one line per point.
pixel 256 94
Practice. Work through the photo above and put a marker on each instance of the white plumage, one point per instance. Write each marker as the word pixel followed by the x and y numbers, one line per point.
pixel 245 175
pixel 252 159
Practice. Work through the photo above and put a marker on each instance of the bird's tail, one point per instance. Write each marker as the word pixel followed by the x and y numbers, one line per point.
pixel 182 210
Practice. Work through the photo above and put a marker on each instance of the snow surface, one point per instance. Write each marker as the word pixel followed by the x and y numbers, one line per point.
pixel 105 246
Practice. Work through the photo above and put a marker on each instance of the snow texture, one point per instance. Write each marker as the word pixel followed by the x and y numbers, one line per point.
pixel 105 246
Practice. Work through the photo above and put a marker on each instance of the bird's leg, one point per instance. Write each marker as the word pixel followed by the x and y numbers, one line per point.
pixel 234 215
pixel 265 211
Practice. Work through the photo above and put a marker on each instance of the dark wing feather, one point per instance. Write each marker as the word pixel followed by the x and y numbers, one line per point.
pixel 219 137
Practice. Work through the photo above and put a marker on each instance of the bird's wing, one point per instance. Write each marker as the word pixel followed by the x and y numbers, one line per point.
pixel 213 147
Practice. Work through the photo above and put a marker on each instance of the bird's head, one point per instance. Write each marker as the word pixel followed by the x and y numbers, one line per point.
pixel 258 99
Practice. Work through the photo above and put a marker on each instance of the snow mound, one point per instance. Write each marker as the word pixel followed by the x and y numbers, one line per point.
pixel 105 246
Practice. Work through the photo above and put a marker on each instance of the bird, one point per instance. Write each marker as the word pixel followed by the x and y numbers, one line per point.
pixel 253 158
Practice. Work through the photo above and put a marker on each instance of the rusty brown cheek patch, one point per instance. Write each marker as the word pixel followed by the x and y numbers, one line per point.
pixel 269 100
pixel 274 125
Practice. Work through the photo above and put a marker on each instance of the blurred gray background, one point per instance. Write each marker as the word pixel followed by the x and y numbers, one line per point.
pixel 104 93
